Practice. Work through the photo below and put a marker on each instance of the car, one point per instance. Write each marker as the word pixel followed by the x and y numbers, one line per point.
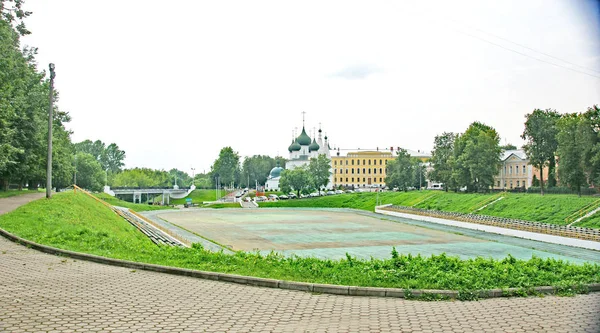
pixel 283 197
pixel 339 192
pixel 292 196
pixel 260 198
pixel 314 195
pixel 349 191
pixel 273 197
pixel 331 193
pixel 302 196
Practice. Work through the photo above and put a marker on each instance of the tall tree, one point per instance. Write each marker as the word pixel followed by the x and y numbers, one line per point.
pixel 571 154
pixel 297 179
pixel 226 167
pixel 183 179
pixel 257 168
pixel 89 172
pixel 441 158
pixel 476 157
pixel 400 171
pixel 319 169
pixel 591 136
pixel 541 135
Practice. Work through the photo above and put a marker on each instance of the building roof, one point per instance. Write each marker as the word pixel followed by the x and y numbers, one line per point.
pixel 520 153
pixel 303 139
pixel 275 172
pixel 314 146
pixel 295 146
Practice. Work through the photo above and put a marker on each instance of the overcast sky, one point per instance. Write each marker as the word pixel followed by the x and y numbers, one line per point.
pixel 172 82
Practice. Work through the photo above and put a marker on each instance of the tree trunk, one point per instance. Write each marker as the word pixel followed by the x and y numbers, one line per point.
pixel 542 179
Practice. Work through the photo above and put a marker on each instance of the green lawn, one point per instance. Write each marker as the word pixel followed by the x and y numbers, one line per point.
pixel 12 193
pixel 590 222
pixel 137 207
pixel 550 208
pixel 76 222
pixel 199 196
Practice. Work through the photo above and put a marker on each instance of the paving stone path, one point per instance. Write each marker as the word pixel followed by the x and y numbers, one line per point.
pixel 45 293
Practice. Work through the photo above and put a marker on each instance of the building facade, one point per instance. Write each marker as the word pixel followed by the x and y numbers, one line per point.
pixel 515 171
pixel 361 169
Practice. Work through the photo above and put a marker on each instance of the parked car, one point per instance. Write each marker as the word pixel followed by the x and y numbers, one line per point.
pixel 283 197
pixel 339 192
pixel 292 196
pixel 314 195
pixel 302 196
pixel 330 193
pixel 261 198
pixel 349 191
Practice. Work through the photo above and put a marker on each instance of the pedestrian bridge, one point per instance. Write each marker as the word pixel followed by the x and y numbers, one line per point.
pixel 165 193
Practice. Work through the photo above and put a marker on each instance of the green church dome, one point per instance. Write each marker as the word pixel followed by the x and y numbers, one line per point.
pixel 295 146
pixel 290 148
pixel 304 139
pixel 314 146
pixel 276 172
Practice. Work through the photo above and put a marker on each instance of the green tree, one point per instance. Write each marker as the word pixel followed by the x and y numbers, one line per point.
pixel 571 154
pixel 508 146
pixel 226 167
pixel 142 178
pixel 183 179
pixel 419 174
pixel 319 169
pixel 12 12
pixel 89 172
pixel 257 168
pixel 541 136
pixel 591 139
pixel 400 171
pixel 476 157
pixel 441 159
pixel 297 179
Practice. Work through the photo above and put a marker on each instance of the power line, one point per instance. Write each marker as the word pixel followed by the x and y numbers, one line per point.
pixel 527 55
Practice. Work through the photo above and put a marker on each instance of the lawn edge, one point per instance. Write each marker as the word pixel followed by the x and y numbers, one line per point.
pixel 283 284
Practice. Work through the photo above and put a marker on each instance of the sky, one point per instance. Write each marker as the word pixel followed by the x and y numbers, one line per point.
pixel 173 82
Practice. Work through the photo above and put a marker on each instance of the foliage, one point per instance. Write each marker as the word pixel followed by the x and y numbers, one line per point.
pixel 508 146
pixel 226 167
pixel 541 135
pixel 257 168
pixel 78 223
pixel 142 178
pixel 121 203
pixel 110 157
pixel 571 147
pixel 297 179
pixel 535 182
pixel 476 157
pixel 14 14
pixel 441 159
pixel 400 171
pixel 89 172
pixel 182 178
pixel 319 171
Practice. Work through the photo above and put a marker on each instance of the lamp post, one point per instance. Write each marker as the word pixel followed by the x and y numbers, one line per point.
pixel 50 118
pixel 193 179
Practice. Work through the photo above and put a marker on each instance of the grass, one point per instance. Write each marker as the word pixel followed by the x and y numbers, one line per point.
pixel 550 208
pixel 12 193
pixel 224 205
pixel 199 196
pixel 118 202
pixel 76 222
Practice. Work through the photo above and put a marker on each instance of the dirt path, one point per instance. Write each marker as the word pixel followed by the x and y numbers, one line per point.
pixel 12 203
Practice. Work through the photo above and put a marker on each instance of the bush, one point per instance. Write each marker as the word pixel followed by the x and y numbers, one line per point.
pixel 562 190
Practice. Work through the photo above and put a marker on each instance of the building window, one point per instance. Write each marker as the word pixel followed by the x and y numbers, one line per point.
pixel 369 162
pixel 334 171
pixel 364 180
pixel 346 180
pixel 352 170
pixel 498 183
pixel 352 162
pixel 346 162
pixel 518 182
pixel 505 171
pixel 369 171
pixel 352 179
pixel 346 171
pixel 516 170
pixel 375 171
pixel 364 163
pixel 510 172
pixel 511 184
pixel 523 169
pixel 380 180
pixel 385 162
pixel 334 162
pixel 358 170
pixel 364 171
pixel 380 162
pixel 380 170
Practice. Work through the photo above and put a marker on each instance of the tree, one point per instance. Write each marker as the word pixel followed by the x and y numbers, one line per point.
pixel 541 135
pixel 571 135
pixel 419 176
pixel 591 136
pixel 476 157
pixel 12 12
pixel 508 146
pixel 257 168
pixel 441 159
pixel 320 171
pixel 142 178
pixel 89 172
pixel 183 179
pixel 110 157
pixel 226 167
pixel 400 171
pixel 297 179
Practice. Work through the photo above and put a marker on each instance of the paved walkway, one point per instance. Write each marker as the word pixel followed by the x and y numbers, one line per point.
pixel 10 203
pixel 45 293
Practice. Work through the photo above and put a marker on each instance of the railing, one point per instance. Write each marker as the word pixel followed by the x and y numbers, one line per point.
pixel 546 228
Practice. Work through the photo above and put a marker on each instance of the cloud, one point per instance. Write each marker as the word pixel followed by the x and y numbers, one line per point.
pixel 357 72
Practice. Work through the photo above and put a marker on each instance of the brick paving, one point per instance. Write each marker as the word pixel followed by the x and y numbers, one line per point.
pixel 45 293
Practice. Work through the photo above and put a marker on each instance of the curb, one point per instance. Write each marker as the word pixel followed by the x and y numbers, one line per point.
pixel 280 284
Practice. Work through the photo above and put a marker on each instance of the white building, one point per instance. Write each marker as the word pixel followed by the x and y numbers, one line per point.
pixel 302 149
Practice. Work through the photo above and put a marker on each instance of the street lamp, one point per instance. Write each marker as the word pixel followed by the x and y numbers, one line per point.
pixel 50 118
pixel 193 179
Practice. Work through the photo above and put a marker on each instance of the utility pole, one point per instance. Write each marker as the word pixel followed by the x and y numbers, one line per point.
pixel 50 118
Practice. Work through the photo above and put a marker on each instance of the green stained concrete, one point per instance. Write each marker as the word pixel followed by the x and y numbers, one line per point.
pixel 329 233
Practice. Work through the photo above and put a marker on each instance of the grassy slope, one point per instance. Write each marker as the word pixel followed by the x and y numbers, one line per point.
pixel 137 207
pixel 12 193
pixel 590 222
pixel 77 222
pixel 199 196
pixel 531 207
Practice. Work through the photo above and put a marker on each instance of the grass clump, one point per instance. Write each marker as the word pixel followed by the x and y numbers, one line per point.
pixel 12 193
pixel 76 222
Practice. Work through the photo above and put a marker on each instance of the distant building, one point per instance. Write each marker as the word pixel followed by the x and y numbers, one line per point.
pixel 366 168
pixel 515 171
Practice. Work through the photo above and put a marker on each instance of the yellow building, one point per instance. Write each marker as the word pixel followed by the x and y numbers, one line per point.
pixel 360 169
pixel 515 171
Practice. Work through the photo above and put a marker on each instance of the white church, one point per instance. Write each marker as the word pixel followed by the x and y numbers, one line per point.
pixel 302 149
